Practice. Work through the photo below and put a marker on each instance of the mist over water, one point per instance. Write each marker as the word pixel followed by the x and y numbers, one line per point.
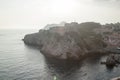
pixel 21 62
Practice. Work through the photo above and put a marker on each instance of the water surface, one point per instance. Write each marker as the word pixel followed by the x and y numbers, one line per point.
pixel 21 62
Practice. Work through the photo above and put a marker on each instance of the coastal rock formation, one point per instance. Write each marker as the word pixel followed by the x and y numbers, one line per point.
pixel 113 59
pixel 73 41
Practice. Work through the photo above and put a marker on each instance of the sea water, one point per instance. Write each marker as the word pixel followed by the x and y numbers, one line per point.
pixel 21 62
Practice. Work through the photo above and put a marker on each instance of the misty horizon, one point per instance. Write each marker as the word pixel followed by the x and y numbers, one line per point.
pixel 29 14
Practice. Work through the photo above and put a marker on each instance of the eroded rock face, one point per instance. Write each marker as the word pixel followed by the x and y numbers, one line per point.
pixel 113 59
pixel 72 41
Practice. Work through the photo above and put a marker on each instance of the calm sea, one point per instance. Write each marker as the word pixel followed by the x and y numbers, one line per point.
pixel 21 62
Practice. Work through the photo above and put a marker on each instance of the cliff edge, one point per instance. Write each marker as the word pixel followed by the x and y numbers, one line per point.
pixel 73 41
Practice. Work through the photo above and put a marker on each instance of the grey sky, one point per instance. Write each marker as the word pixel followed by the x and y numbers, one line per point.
pixel 38 13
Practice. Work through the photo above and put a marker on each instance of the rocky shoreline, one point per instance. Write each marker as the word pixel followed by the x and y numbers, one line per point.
pixel 73 41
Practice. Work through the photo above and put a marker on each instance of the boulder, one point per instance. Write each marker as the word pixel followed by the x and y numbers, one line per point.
pixel 112 60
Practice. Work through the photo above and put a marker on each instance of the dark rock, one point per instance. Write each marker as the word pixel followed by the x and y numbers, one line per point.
pixel 72 41
pixel 112 60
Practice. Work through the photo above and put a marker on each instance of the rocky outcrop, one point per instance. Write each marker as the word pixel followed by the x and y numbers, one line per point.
pixel 72 41
pixel 112 60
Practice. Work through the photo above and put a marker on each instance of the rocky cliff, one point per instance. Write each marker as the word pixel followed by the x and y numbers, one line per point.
pixel 73 41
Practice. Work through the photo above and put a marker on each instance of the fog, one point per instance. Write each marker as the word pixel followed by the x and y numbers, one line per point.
pixel 38 13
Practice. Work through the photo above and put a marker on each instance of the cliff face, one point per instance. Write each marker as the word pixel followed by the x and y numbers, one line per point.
pixel 72 41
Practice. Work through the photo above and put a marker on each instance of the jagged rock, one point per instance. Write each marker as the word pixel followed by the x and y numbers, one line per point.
pixel 112 60
pixel 73 41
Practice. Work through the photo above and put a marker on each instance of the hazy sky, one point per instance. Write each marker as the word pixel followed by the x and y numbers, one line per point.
pixel 38 13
